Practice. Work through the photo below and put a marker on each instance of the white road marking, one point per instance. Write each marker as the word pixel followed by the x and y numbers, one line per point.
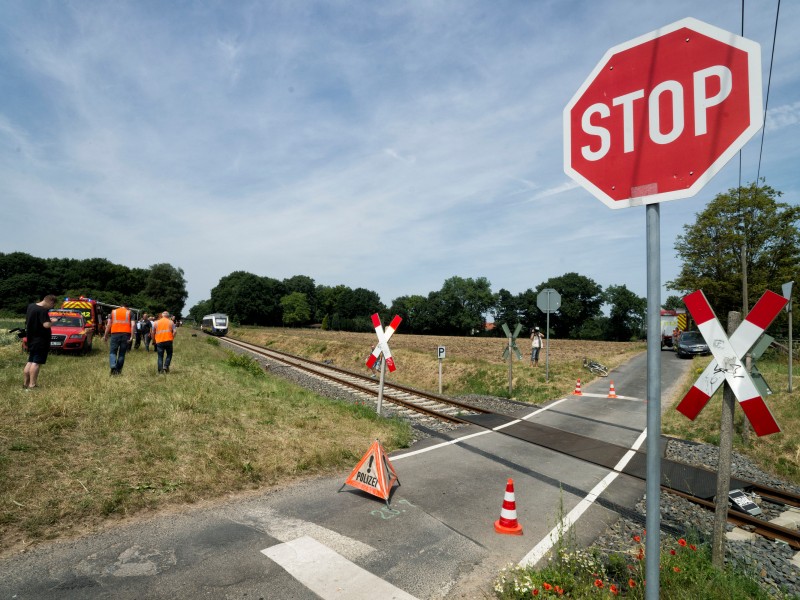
pixel 544 546
pixel 285 528
pixel 394 458
pixel 330 575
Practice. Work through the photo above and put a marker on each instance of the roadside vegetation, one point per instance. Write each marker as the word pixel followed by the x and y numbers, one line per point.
pixel 85 449
pixel 686 567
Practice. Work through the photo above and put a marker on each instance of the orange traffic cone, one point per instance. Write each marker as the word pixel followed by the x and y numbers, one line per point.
pixel 611 392
pixel 577 391
pixel 508 515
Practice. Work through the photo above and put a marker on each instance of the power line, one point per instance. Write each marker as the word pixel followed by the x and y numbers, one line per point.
pixel 769 81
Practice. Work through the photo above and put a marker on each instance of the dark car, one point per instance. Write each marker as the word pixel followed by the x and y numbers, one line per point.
pixel 691 343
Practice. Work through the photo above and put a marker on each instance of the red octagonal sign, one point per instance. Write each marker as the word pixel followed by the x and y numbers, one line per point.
pixel 660 115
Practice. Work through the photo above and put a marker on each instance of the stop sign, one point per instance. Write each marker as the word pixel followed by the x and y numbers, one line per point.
pixel 660 115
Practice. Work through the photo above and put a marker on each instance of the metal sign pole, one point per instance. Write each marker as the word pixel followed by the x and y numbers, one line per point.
pixel 653 486
pixel 380 385
pixel 547 349
pixel 510 367
pixel 440 376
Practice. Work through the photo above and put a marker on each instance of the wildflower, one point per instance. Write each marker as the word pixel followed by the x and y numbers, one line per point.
pixel 598 583
pixel 547 586
pixel 637 539
pixel 631 583
pixel 535 592
pixel 676 569
pixel 614 589
pixel 672 552
pixel 682 542
pixel 559 590
pixel 693 547
pixel 640 556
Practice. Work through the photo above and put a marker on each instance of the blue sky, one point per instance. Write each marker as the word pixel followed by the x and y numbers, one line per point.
pixel 386 145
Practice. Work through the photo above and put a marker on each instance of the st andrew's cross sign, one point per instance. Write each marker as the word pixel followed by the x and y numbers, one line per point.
pixel 728 356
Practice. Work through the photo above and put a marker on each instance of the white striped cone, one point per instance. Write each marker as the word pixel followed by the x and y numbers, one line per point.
pixel 507 523
pixel 577 391
pixel 612 393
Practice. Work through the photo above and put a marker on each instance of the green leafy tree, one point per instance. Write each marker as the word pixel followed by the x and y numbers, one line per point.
pixel 505 310
pixel 463 305
pixel 581 299
pixel 360 302
pixel 304 285
pixel 628 313
pixel 412 310
pixel 296 310
pixel 673 302
pixel 249 299
pixel 200 310
pixel 166 286
pixel 711 247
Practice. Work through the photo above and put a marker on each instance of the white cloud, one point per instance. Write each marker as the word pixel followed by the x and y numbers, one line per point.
pixel 386 146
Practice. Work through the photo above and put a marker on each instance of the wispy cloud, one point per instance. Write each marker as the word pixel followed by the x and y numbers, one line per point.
pixel 386 146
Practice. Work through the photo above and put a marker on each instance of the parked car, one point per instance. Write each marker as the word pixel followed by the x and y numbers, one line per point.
pixel 68 332
pixel 691 343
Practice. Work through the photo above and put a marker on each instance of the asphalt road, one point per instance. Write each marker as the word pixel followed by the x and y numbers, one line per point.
pixel 310 540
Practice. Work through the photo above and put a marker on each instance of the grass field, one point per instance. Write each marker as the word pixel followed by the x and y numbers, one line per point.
pixel 85 450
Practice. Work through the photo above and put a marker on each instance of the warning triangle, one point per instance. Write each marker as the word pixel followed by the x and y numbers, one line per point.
pixel 374 473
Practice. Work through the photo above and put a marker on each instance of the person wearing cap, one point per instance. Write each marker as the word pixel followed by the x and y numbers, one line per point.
pixel 537 341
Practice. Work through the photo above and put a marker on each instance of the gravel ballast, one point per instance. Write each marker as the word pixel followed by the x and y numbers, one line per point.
pixel 768 562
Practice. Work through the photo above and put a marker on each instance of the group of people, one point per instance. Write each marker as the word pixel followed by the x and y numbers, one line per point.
pixel 120 331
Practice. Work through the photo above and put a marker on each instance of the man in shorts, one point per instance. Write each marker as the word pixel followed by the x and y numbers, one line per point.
pixel 37 329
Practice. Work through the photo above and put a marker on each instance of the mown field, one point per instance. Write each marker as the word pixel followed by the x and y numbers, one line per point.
pixel 472 365
pixel 86 450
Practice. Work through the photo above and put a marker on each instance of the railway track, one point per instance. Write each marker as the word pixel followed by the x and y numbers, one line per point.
pixel 417 405
pixel 422 407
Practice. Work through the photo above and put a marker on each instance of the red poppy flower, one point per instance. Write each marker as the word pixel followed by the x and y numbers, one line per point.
pixel 535 592
pixel 547 586
pixel 631 583
pixel 672 552
pixel 614 589
pixel 637 539
pixel 682 542
pixel 693 547
pixel 559 590
pixel 676 569
pixel 598 583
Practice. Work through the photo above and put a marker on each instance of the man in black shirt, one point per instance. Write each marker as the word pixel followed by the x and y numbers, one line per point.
pixel 37 329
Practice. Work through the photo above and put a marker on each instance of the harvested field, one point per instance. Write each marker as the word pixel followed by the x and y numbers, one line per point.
pixel 473 365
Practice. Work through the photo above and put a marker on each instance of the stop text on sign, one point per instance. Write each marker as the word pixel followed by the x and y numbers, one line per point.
pixel 666 97
pixel 661 114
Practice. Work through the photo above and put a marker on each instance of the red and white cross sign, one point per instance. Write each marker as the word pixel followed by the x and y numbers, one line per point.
pixel 728 354
pixel 383 339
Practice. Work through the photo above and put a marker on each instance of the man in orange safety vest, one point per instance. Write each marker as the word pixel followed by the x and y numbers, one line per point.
pixel 120 328
pixel 163 335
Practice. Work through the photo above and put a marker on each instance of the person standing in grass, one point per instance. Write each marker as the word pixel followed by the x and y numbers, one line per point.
pixel 537 342
pixel 37 329
pixel 121 330
pixel 163 335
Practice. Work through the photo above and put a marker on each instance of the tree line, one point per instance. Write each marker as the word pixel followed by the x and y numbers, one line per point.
pixel 25 278
pixel 744 226
pixel 460 307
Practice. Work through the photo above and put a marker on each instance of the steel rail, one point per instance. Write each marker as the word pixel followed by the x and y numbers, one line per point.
pixel 389 395
pixel 760 526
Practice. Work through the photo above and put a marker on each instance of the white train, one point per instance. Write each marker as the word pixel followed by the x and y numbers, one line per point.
pixel 215 324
